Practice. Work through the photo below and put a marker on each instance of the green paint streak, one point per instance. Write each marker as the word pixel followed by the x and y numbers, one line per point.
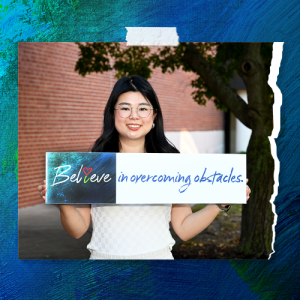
pixel 4 9
pixel 10 162
pixel 15 159
pixel 248 270
pixel 87 180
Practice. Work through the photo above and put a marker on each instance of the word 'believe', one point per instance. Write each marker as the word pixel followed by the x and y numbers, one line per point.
pixel 94 177
pixel 216 177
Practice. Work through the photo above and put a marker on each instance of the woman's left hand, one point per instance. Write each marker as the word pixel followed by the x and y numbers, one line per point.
pixel 248 191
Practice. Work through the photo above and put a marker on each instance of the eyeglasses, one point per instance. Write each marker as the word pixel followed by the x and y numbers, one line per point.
pixel 125 110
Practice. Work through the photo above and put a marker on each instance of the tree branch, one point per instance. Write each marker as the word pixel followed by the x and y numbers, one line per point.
pixel 253 72
pixel 233 101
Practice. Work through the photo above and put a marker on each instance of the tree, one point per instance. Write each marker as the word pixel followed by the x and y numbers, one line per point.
pixel 215 64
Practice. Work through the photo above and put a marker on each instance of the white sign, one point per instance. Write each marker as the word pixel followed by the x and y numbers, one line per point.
pixel 145 178
pixel 180 178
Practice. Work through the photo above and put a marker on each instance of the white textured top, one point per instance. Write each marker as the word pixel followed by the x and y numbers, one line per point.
pixel 130 229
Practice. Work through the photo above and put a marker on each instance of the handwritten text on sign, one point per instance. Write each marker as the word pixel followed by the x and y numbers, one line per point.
pixel 145 178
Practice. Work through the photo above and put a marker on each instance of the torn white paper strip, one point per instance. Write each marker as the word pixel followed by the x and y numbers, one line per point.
pixel 274 72
pixel 152 36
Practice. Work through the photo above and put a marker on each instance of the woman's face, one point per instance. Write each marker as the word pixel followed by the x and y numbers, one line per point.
pixel 134 127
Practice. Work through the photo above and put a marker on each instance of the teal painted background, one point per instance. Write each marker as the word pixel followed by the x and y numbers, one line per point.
pixel 74 20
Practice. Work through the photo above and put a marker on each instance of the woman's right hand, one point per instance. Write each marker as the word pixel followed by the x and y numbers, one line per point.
pixel 74 218
pixel 42 190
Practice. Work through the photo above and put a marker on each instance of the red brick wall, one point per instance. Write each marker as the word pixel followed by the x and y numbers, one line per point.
pixel 60 110
pixel 180 111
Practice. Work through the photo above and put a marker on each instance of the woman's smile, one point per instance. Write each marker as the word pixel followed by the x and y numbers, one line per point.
pixel 134 127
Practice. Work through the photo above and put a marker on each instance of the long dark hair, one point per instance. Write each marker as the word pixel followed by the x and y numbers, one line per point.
pixel 155 140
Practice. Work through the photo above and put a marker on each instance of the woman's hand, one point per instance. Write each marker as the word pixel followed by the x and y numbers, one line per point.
pixel 248 191
pixel 42 190
pixel 74 218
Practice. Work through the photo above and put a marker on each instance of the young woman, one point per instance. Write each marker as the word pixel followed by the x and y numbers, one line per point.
pixel 133 123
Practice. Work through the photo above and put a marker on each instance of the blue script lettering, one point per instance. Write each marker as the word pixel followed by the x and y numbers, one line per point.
pixel 203 179
pixel 188 183
pixel 122 178
pixel 239 180
pixel 168 178
pixel 230 174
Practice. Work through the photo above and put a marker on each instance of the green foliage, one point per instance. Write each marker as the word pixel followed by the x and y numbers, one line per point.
pixel 225 58
pixel 95 57
pixel 134 60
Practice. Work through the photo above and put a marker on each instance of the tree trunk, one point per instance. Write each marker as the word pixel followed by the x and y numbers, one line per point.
pixel 257 215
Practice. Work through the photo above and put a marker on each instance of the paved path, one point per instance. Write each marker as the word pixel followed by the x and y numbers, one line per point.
pixel 41 235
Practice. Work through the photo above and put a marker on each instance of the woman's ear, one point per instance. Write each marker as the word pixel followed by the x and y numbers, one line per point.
pixel 154 116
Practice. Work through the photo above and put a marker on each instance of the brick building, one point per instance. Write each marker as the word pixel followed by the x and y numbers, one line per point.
pixel 59 110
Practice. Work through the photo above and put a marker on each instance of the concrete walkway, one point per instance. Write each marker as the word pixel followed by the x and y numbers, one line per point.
pixel 41 235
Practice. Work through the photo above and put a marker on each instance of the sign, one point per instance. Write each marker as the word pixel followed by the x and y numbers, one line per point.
pixel 145 178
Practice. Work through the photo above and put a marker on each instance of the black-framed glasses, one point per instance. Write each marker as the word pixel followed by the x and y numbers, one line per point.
pixel 125 110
